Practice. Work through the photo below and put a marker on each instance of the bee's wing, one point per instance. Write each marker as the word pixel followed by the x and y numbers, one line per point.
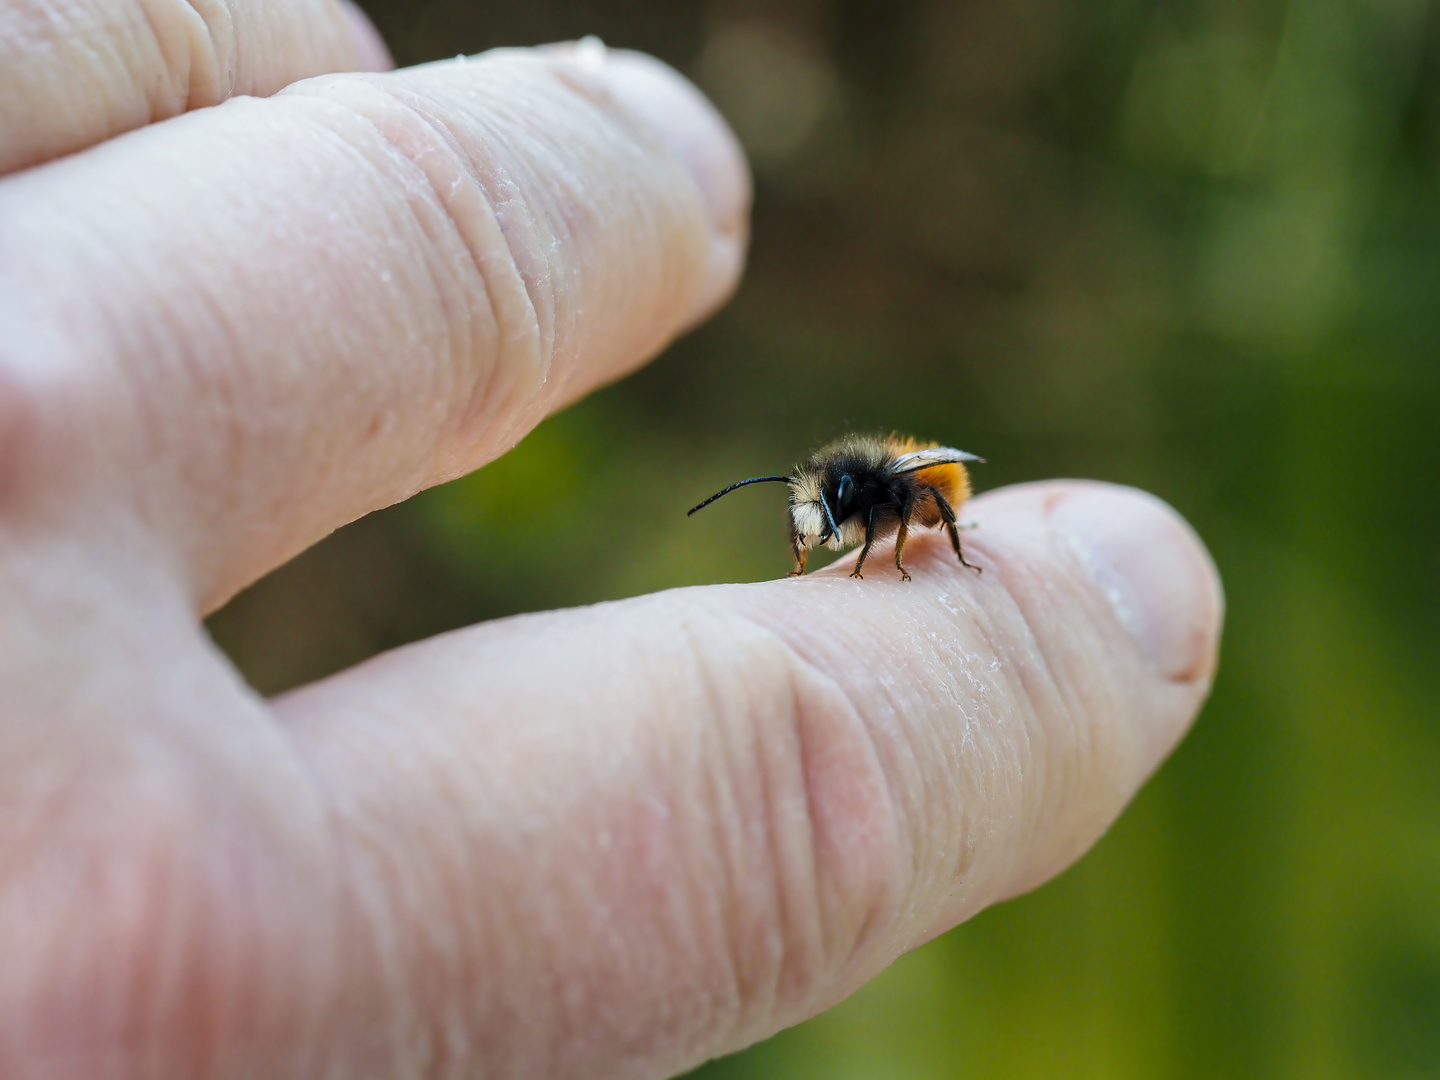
pixel 931 455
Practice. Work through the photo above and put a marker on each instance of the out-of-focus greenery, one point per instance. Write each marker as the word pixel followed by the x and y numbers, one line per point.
pixel 1192 245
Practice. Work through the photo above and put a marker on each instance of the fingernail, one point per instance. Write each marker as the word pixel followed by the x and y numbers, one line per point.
pixel 1152 568
pixel 692 129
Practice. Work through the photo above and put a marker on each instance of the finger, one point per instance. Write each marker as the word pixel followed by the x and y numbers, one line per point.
pixel 619 840
pixel 262 321
pixel 75 73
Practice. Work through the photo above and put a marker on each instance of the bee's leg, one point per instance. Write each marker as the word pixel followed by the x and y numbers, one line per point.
pixel 902 535
pixel 869 539
pixel 800 555
pixel 949 517
pixel 899 547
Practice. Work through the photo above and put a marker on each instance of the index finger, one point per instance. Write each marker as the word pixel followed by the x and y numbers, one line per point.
pixel 248 326
pixel 614 841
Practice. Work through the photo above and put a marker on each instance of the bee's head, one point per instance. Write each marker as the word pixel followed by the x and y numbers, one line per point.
pixel 820 502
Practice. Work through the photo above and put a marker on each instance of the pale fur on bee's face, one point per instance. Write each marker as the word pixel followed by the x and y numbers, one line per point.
pixel 809 517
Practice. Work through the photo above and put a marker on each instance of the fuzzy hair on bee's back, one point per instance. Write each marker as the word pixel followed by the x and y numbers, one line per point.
pixel 858 451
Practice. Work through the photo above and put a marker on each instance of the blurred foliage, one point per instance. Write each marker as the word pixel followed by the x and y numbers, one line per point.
pixel 1192 245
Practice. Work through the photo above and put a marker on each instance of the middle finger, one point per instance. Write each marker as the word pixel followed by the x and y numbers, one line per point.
pixel 256 323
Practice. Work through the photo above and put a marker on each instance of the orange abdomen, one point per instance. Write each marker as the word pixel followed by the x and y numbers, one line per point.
pixel 950 480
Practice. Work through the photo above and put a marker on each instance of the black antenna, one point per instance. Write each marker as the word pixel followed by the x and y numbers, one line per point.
pixel 834 530
pixel 742 483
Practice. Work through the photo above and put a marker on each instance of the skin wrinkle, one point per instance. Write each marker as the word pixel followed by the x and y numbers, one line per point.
pixel 816 879
pixel 453 942
pixel 522 349
pixel 229 862
pixel 708 925
pixel 440 938
pixel 919 743
pixel 217 384
pixel 480 397
pixel 758 988
pixel 1033 682
pixel 1023 768
pixel 779 993
pixel 378 896
pixel 351 956
pixel 584 215
pixel 480 405
pixel 1068 752
pixel 502 1031
pixel 160 339
pixel 964 846
pixel 541 290
pixel 886 760
pixel 785 964
pixel 572 221
pixel 368 911
pixel 464 342
pixel 723 797
pixel 416 474
pixel 415 162
pixel 881 909
pixel 952 657
pixel 414 897
pixel 796 972
pixel 24 906
pixel 935 814
pixel 193 56
pixel 979 740
pixel 983 621
pixel 533 236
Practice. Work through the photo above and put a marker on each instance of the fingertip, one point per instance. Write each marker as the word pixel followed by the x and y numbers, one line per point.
pixel 1155 571
pixel 371 52
pixel 1123 599
pixel 669 107
pixel 1142 557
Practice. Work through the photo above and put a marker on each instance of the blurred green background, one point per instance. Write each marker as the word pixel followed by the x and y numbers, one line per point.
pixel 1192 245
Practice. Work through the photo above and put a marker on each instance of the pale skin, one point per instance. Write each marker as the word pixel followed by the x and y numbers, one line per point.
pixel 606 842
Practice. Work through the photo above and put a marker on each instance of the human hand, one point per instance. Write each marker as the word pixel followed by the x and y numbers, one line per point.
pixel 605 842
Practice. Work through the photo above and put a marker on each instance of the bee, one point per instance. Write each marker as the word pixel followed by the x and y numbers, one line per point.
pixel 862 487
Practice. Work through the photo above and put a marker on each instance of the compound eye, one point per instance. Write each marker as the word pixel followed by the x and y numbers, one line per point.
pixel 844 496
